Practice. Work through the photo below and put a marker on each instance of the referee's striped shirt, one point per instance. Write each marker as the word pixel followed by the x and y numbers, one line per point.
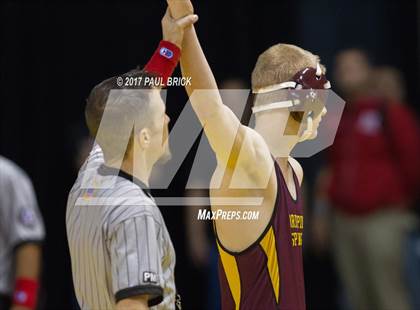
pixel 119 244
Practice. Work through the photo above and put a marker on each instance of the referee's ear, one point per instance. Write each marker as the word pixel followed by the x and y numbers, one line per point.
pixel 143 138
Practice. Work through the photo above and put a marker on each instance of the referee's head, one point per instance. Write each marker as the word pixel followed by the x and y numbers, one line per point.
pixel 129 122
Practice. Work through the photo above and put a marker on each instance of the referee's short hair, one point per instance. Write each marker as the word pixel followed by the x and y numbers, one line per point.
pixel 130 106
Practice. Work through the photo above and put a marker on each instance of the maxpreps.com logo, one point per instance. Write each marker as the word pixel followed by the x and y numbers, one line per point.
pixel 167 53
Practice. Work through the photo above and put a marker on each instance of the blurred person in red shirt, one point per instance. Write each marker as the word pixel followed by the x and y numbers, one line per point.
pixel 370 183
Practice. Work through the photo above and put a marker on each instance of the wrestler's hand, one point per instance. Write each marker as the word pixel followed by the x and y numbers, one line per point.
pixel 180 8
pixel 173 29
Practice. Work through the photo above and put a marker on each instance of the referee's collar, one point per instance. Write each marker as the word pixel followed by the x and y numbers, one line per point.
pixel 106 170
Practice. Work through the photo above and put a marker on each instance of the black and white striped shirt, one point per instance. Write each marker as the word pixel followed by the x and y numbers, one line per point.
pixel 119 244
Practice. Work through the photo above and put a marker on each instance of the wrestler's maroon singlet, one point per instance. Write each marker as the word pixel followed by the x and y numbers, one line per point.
pixel 268 274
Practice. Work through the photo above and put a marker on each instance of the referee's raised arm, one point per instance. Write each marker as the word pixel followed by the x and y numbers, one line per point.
pixel 121 251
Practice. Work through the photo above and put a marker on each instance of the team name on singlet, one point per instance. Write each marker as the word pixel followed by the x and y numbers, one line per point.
pixel 296 223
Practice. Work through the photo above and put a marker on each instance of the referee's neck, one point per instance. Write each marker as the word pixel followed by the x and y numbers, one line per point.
pixel 137 168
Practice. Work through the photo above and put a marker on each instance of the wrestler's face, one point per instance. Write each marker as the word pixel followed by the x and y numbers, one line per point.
pixel 304 120
pixel 315 124
pixel 303 130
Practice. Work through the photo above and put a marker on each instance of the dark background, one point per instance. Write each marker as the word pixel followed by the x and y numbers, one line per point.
pixel 53 53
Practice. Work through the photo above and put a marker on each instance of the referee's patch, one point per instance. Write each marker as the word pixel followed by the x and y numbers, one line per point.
pixel 150 277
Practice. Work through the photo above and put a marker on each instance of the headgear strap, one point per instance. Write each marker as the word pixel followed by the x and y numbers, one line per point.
pixel 307 78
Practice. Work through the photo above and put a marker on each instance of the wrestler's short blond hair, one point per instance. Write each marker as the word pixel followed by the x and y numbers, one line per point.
pixel 280 63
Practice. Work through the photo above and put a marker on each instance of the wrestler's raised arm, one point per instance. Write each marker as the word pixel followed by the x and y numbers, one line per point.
pixel 220 123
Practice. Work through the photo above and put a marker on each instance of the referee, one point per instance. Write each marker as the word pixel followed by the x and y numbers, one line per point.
pixel 21 232
pixel 121 252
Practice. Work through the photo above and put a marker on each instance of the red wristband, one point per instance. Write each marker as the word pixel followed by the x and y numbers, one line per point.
pixel 164 60
pixel 26 293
